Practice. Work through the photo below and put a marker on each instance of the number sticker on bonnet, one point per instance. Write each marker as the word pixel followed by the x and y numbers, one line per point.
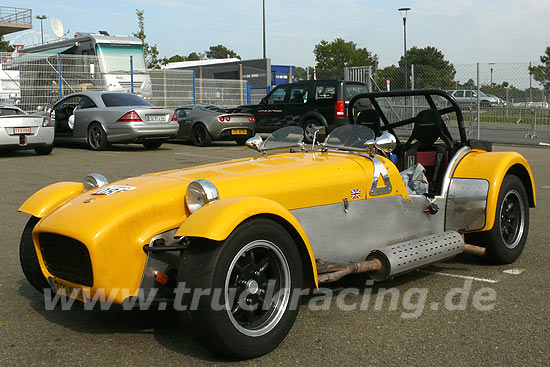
pixel 113 190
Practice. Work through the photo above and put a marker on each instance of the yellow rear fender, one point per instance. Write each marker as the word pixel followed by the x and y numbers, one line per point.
pixel 50 197
pixel 216 221
pixel 493 166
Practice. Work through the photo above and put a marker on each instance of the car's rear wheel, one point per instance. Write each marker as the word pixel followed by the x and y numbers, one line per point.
pixel 252 278
pixel 29 259
pixel 200 136
pixel 152 144
pixel 44 150
pixel 97 138
pixel 506 240
pixel 309 130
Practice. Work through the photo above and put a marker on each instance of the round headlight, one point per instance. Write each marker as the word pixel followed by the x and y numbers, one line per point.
pixel 199 193
pixel 92 181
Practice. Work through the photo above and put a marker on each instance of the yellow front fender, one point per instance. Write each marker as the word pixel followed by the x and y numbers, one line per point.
pixel 218 219
pixel 50 197
pixel 493 166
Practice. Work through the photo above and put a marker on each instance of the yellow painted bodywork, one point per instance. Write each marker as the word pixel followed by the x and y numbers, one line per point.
pixel 493 166
pixel 50 197
pixel 114 228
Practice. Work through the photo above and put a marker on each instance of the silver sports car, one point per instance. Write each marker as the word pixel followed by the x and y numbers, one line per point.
pixel 19 130
pixel 102 118
pixel 203 123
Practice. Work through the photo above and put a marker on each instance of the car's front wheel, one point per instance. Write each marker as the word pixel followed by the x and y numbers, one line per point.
pixel 97 138
pixel 29 259
pixel 44 150
pixel 152 144
pixel 251 283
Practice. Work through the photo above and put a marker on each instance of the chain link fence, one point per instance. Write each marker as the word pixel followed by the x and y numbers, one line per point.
pixel 512 107
pixel 38 80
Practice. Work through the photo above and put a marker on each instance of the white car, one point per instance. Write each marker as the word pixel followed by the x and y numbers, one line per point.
pixel 19 130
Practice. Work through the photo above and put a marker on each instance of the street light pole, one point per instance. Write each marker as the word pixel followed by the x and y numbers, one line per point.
pixel 41 18
pixel 264 24
pixel 404 11
pixel 491 68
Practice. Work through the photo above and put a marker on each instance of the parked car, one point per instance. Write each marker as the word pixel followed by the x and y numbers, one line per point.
pixel 100 119
pixel 306 104
pixel 234 243
pixel 201 124
pixel 469 98
pixel 19 130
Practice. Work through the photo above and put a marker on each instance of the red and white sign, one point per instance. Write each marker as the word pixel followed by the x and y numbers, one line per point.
pixel 388 84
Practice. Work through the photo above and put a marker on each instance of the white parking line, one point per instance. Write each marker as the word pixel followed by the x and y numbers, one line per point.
pixel 201 155
pixel 514 271
pixel 546 187
pixel 460 276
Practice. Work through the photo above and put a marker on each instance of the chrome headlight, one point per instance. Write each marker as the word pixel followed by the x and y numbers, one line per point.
pixel 200 192
pixel 92 181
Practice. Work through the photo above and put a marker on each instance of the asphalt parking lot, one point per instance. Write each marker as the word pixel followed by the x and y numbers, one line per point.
pixel 447 331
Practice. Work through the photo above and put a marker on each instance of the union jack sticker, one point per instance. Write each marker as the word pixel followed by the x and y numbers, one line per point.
pixel 356 194
pixel 110 190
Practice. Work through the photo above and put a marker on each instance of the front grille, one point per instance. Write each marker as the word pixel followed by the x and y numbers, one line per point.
pixel 66 258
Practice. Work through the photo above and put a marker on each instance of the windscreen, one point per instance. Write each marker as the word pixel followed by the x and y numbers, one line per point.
pixel 115 58
pixel 123 99
pixel 289 136
pixel 10 112
pixel 349 136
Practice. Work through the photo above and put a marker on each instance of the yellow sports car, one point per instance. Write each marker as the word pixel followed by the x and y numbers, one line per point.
pixel 232 245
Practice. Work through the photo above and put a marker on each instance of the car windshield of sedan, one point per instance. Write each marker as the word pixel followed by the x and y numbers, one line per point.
pixel 286 137
pixel 351 137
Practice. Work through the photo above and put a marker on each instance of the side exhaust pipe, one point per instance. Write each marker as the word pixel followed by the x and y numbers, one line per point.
pixel 400 258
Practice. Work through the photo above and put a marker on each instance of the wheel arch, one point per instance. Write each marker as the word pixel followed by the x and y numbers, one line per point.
pixel 493 167
pixel 313 115
pixel 49 198
pixel 228 214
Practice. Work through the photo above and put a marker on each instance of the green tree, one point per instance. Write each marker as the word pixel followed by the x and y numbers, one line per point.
pixel 193 56
pixel 5 46
pixel 541 73
pixel 338 54
pixel 220 52
pixel 151 52
pixel 431 70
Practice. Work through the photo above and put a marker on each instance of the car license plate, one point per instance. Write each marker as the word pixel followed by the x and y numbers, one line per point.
pixel 21 130
pixel 238 132
pixel 67 290
pixel 156 118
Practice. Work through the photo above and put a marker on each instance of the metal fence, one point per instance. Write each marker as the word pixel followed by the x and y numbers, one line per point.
pixel 13 15
pixel 512 106
pixel 33 80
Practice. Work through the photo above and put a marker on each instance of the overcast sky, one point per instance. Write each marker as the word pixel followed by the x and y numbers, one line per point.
pixel 466 31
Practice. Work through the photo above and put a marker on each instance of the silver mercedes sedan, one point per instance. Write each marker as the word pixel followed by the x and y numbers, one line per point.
pixel 202 123
pixel 19 130
pixel 100 119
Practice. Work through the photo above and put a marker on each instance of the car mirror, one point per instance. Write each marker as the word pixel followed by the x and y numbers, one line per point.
pixel 263 100
pixel 40 108
pixel 256 142
pixel 386 142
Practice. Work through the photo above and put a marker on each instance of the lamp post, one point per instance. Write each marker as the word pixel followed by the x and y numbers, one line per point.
pixel 403 12
pixel 491 68
pixel 41 18
pixel 264 24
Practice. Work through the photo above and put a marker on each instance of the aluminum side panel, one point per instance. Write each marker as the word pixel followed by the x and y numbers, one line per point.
pixel 369 224
pixel 466 204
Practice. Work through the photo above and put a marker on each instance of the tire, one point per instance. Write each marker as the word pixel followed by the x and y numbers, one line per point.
pixel 309 131
pixel 97 138
pixel 241 141
pixel 233 330
pixel 152 144
pixel 200 136
pixel 506 240
pixel 44 150
pixel 29 260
